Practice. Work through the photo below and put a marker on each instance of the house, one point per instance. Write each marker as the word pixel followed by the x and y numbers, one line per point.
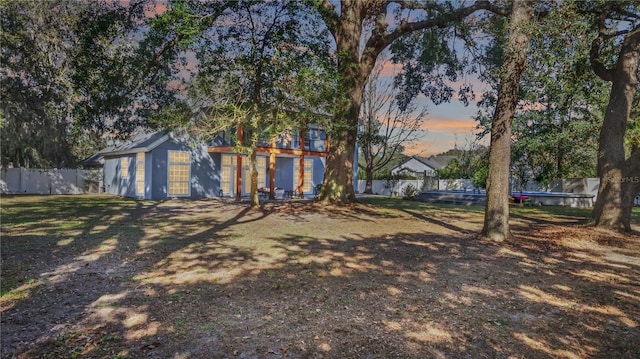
pixel 159 165
pixel 423 166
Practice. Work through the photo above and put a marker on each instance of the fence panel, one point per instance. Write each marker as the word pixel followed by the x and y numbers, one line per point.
pixel 49 181
pixel 387 187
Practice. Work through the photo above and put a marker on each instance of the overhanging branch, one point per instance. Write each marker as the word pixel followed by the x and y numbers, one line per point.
pixel 597 64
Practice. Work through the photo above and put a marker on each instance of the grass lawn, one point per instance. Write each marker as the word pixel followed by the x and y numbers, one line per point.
pixel 104 277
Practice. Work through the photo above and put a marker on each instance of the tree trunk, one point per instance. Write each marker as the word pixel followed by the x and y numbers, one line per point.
pixel 619 177
pixel 337 187
pixel 253 169
pixel 354 67
pixel 338 177
pixel 368 187
pixel 496 216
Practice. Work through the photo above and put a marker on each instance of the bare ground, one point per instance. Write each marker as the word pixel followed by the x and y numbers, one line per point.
pixel 99 277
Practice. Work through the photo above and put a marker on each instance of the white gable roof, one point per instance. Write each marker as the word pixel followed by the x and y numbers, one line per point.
pixel 421 165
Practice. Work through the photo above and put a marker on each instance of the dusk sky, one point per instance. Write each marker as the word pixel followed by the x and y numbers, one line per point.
pixel 446 125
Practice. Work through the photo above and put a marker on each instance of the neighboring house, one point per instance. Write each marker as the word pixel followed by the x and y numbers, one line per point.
pixel 425 166
pixel 158 166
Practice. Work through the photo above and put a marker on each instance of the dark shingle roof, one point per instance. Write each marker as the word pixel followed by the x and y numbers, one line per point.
pixel 141 142
pixel 436 162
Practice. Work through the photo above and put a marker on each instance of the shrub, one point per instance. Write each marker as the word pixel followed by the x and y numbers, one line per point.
pixel 410 191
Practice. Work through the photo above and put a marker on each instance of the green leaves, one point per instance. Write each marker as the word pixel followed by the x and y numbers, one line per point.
pixel 38 92
pixel 263 67
pixel 428 64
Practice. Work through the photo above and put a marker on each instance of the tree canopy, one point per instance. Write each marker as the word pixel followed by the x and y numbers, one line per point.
pixel 73 72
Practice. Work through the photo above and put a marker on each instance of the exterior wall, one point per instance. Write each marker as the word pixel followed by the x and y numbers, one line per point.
pixel 216 165
pixel 204 176
pixel 286 178
pixel 114 183
pixel 148 175
pixel 206 168
pixel 204 173
pixel 159 171
pixel 284 172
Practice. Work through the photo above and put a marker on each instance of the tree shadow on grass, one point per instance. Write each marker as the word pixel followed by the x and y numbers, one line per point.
pixel 223 290
pixel 55 265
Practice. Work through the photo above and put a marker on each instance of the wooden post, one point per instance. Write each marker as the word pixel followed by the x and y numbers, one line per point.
pixel 326 142
pixel 272 171
pixel 301 163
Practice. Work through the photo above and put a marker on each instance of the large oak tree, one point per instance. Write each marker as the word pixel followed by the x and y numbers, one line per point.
pixel 619 172
pixel 62 70
pixel 362 30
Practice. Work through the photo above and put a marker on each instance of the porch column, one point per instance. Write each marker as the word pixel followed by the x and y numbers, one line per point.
pixel 301 163
pixel 326 142
pixel 272 171
pixel 301 174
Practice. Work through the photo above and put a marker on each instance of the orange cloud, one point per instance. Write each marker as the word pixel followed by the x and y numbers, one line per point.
pixel 418 148
pixel 389 68
pixel 155 9
pixel 448 125
pixel 428 147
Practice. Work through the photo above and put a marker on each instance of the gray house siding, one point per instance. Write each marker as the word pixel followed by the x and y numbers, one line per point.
pixel 285 175
pixel 318 170
pixel 159 171
pixel 204 178
pixel 284 172
pixel 114 181
pixel 205 173
pixel 205 169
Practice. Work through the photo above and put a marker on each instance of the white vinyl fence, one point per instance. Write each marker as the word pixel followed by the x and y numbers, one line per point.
pixel 49 181
pixel 386 187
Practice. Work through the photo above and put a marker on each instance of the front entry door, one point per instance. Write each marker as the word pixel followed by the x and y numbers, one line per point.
pixel 227 177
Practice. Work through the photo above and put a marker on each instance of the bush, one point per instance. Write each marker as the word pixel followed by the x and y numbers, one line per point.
pixel 410 191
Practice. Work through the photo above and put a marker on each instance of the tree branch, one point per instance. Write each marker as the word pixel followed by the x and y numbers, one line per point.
pixel 597 64
pixel 328 13
pixel 380 39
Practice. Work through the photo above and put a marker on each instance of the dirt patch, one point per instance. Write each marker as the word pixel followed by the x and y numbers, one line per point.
pixel 98 277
